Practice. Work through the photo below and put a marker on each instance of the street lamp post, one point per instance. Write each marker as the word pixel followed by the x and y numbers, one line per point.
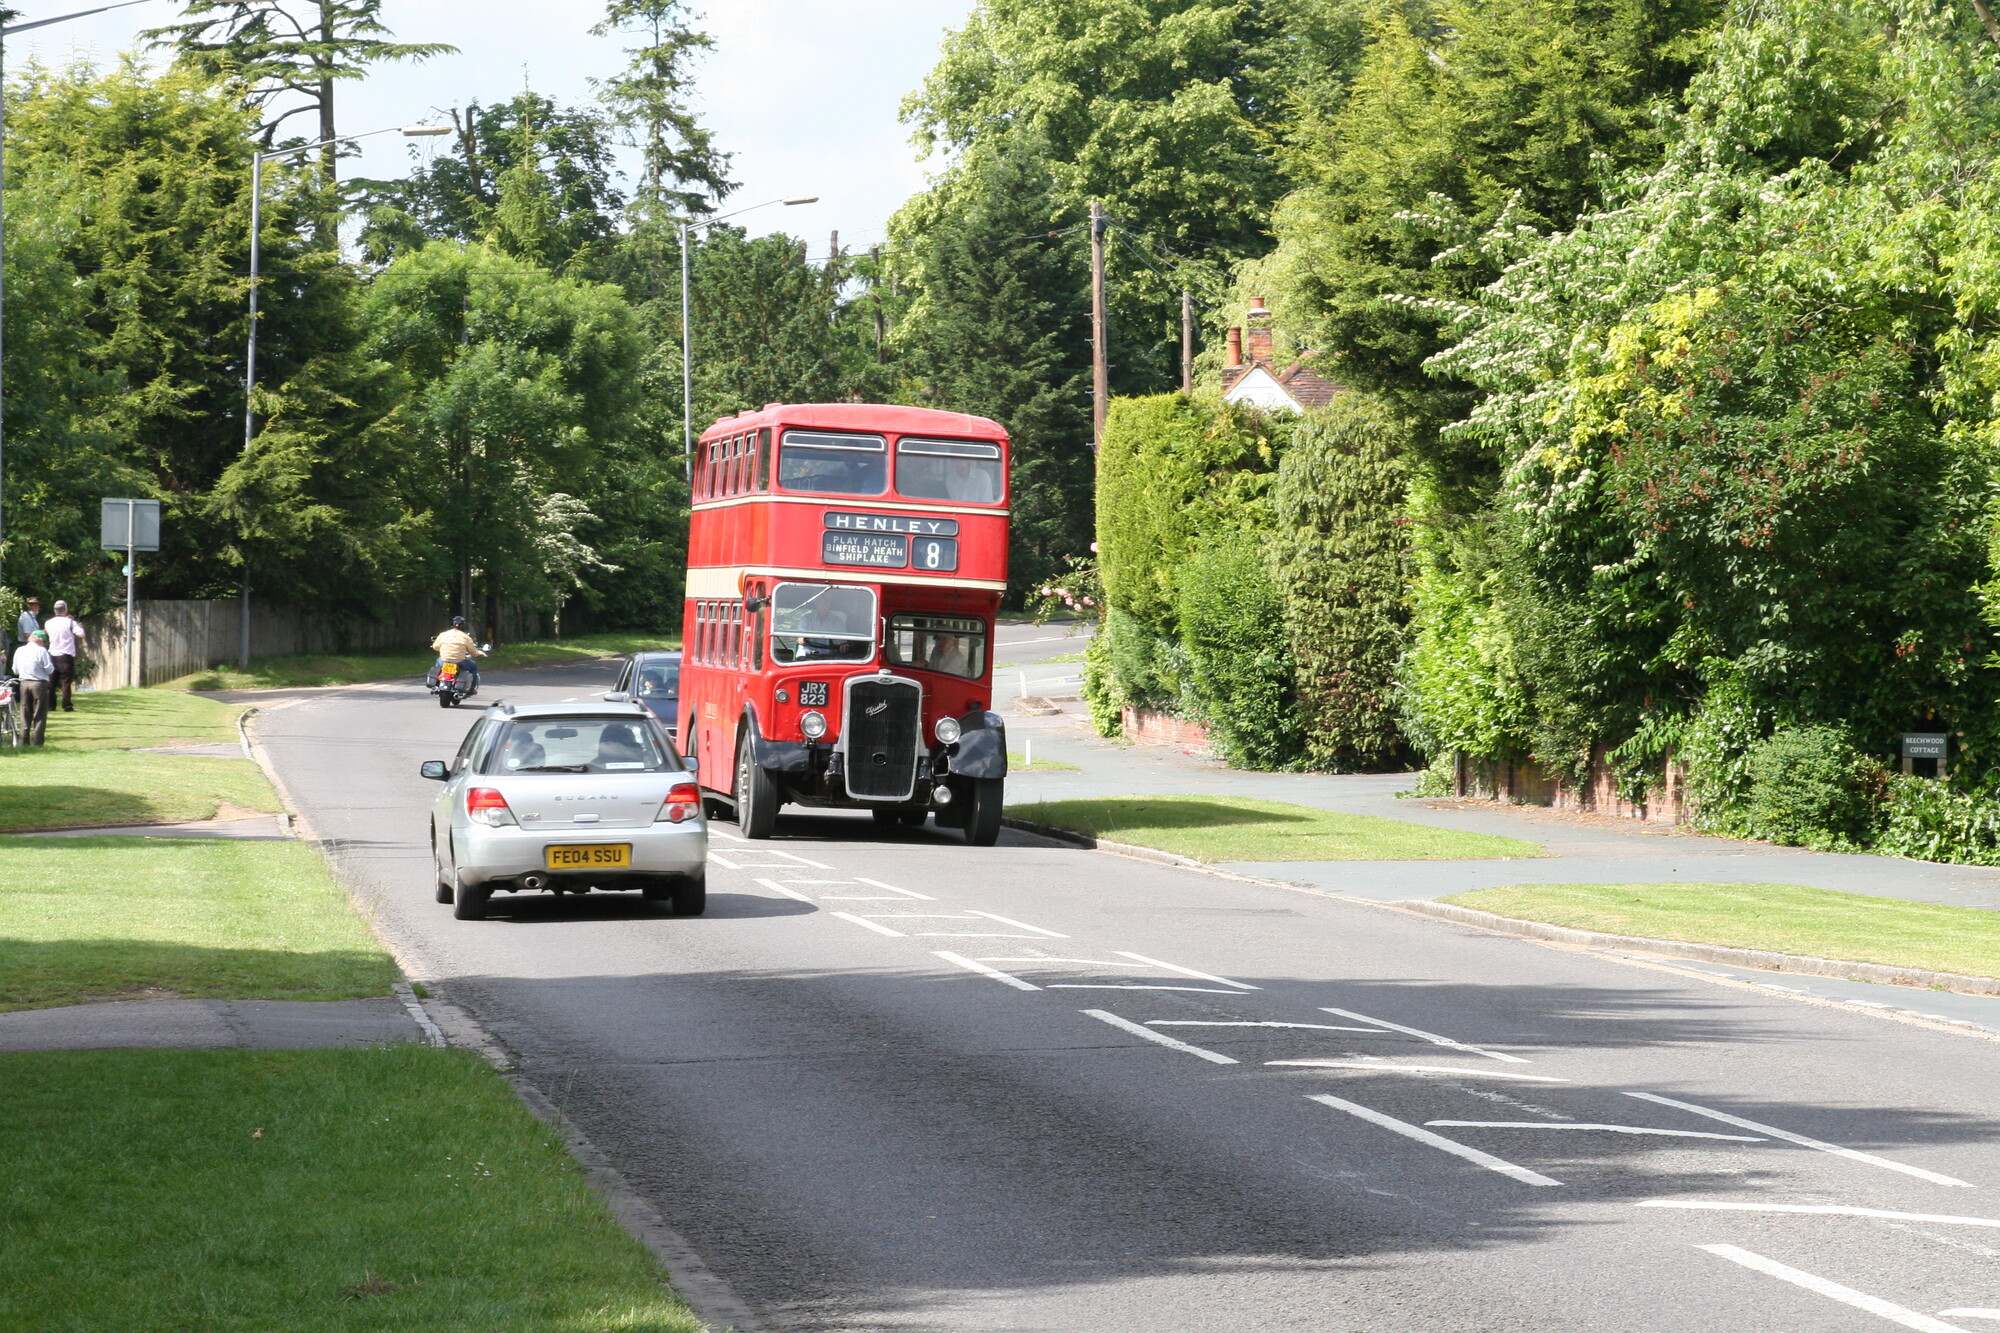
pixel 687 327
pixel 5 33
pixel 257 161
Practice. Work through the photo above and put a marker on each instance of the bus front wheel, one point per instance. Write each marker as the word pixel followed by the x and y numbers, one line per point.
pixel 982 815
pixel 756 794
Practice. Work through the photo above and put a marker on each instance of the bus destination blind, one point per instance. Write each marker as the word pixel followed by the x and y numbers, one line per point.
pixel 873 550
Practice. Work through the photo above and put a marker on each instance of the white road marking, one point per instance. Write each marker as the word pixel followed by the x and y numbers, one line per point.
pixel 1010 921
pixel 1803 1141
pixel 867 924
pixel 1972 1314
pixel 1184 971
pixel 773 884
pixel 724 861
pixel 804 861
pixel 1860 1300
pixel 1207 1023
pixel 1821 1209
pixel 1081 985
pixel 1021 643
pixel 1159 1038
pixel 1611 1129
pixel 1091 961
pixel 715 832
pixel 1431 1037
pixel 985 971
pixel 1417 1069
pixel 1438 1141
pixel 907 893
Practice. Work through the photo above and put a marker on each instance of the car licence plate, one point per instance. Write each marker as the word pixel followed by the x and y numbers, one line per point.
pixel 589 856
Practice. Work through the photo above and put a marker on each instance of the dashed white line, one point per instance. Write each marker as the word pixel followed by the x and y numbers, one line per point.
pixel 1010 921
pixel 725 862
pixel 1160 1038
pixel 1208 1023
pixel 715 832
pixel 1971 1314
pixel 907 893
pixel 1374 1067
pixel 866 924
pixel 789 893
pixel 1609 1129
pixel 985 971
pixel 1860 1300
pixel 1818 1209
pixel 1431 1037
pixel 1438 1141
pixel 1093 962
pixel 1185 971
pixel 790 856
pixel 1804 1142
pixel 1106 985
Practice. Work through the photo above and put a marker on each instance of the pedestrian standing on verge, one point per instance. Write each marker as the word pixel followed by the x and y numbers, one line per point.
pixel 65 642
pixel 36 669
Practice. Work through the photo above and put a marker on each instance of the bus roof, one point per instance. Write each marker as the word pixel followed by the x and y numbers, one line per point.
pixel 863 416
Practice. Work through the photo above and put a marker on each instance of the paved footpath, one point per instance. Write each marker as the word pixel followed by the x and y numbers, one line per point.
pixel 899 1083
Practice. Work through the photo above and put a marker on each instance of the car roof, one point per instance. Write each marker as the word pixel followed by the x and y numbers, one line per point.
pixel 657 655
pixel 503 708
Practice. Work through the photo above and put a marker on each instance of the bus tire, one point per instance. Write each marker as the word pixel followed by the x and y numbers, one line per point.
pixel 982 817
pixel 756 794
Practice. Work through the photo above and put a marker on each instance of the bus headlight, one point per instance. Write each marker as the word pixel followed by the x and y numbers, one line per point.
pixel 813 723
pixel 947 731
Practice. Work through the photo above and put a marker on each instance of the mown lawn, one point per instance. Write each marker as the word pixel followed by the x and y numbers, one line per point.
pixel 1017 762
pixel 1242 828
pixel 398 1190
pixel 120 917
pixel 354 669
pixel 90 772
pixel 1784 918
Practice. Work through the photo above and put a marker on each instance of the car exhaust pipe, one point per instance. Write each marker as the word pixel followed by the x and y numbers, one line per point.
pixel 534 883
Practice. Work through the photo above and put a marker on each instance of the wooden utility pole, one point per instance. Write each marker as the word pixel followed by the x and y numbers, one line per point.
pixel 1100 369
pixel 1187 341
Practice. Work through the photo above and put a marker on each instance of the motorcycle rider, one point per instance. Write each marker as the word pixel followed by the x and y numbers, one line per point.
pixel 455 645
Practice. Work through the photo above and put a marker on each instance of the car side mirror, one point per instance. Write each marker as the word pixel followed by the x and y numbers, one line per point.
pixel 617 697
pixel 435 770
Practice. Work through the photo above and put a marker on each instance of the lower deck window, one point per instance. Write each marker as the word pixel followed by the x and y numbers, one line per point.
pixel 822 622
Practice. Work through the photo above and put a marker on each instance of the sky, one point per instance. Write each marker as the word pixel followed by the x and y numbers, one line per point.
pixel 804 93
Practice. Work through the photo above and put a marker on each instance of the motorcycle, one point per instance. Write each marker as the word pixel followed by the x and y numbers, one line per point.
pixel 451 685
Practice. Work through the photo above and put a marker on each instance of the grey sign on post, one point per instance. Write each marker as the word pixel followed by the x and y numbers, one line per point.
pixel 1923 744
pixel 130 525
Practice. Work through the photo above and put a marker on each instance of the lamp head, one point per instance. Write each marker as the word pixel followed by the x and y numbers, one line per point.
pixel 802 199
pixel 424 131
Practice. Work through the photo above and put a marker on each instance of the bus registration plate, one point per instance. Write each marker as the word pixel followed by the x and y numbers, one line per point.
pixel 865 548
pixel 589 856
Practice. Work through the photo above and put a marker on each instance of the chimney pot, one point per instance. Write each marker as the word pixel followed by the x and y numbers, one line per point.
pixel 1235 348
pixel 1256 303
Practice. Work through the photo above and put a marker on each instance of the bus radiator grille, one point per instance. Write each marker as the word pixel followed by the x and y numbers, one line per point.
pixel 884 718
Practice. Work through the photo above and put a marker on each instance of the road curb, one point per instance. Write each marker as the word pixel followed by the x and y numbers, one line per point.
pixel 1089 843
pixel 707 1294
pixel 1763 960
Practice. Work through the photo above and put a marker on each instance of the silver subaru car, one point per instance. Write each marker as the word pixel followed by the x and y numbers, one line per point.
pixel 566 798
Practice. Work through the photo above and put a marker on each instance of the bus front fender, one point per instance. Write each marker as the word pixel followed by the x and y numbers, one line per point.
pixel 776 756
pixel 982 746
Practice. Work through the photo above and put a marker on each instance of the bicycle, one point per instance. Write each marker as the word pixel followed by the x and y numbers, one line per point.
pixel 10 712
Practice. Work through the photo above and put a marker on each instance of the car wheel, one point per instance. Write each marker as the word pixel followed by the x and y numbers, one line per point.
pixel 982 817
pixel 469 901
pixel 445 891
pixel 756 795
pixel 691 895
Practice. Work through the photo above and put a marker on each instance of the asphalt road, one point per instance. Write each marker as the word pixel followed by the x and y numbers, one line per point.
pixel 894 1082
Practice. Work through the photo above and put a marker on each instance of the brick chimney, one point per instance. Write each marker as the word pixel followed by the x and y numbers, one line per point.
pixel 1259 321
pixel 1235 348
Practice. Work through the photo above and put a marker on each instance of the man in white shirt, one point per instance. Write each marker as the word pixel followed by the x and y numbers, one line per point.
pixel 65 644
pixel 36 669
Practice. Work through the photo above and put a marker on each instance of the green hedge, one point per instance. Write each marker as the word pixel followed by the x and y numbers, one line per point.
pixel 1239 667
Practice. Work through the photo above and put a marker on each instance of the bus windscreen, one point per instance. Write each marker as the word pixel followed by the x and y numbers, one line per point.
pixel 822 622
pixel 828 463
pixel 966 470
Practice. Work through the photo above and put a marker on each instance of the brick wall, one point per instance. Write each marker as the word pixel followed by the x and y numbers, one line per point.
pixel 1143 726
pixel 1523 782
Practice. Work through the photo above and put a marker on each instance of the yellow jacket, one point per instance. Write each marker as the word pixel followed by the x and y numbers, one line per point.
pixel 454 645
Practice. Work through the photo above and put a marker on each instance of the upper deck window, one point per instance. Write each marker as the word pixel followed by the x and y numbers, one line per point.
pixel 966 470
pixel 822 462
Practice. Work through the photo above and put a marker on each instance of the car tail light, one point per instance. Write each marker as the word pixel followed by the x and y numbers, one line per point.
pixel 683 803
pixel 485 805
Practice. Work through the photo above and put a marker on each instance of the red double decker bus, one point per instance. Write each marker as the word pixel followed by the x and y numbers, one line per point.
pixel 845 562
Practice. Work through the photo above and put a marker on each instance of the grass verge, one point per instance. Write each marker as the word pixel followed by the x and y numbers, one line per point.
pixel 108 918
pixel 354 669
pixel 400 1189
pixel 1242 828
pixel 91 773
pixel 1018 763
pixel 1783 918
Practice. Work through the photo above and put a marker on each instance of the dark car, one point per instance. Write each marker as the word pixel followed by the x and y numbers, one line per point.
pixel 652 679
